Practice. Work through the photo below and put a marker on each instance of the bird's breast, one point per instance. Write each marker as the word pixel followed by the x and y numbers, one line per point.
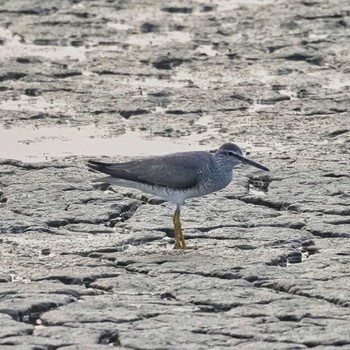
pixel 215 180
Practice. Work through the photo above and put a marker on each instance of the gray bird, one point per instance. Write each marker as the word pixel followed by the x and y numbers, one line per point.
pixel 177 177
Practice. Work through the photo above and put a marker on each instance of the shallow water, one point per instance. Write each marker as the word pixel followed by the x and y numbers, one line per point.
pixel 44 143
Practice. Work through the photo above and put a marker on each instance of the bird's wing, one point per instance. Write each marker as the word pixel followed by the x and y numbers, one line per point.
pixel 178 170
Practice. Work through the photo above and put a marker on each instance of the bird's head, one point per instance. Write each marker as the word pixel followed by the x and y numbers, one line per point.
pixel 232 155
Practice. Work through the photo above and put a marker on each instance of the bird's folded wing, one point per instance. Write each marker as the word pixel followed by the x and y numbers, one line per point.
pixel 177 170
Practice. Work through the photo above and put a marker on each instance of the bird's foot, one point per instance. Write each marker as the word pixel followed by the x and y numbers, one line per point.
pixel 186 247
pixel 177 245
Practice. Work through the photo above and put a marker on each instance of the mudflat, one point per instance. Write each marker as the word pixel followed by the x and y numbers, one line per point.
pixel 89 266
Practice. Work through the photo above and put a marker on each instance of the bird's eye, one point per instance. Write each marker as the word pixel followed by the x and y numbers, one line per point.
pixel 230 153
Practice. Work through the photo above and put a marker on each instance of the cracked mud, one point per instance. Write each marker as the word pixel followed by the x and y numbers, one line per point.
pixel 89 266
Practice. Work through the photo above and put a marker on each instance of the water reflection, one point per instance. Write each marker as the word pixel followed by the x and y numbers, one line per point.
pixel 45 143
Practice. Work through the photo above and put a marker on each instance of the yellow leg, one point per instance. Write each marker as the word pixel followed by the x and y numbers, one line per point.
pixel 179 236
pixel 176 220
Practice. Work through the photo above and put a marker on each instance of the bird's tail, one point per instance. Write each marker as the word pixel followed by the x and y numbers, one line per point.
pixel 100 167
pixel 97 166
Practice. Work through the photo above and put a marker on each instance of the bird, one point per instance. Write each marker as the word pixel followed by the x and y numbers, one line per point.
pixel 177 177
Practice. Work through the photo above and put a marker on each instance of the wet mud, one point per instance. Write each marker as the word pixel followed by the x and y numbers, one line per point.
pixel 89 266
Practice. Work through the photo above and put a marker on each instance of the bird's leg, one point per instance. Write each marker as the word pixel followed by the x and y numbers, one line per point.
pixel 179 237
pixel 176 218
pixel 182 238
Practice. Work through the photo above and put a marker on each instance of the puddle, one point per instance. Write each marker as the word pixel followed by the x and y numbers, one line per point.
pixel 226 5
pixel 118 26
pixel 13 47
pixel 45 143
pixel 207 50
pixel 30 104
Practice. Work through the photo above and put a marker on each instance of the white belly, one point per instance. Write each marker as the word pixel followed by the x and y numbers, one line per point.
pixel 176 197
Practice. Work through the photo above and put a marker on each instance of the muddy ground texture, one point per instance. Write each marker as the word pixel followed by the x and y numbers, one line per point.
pixel 87 266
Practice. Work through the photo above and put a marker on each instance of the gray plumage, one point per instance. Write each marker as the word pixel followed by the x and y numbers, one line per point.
pixel 178 170
pixel 176 177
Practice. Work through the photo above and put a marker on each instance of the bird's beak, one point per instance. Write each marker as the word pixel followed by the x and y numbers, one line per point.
pixel 251 162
